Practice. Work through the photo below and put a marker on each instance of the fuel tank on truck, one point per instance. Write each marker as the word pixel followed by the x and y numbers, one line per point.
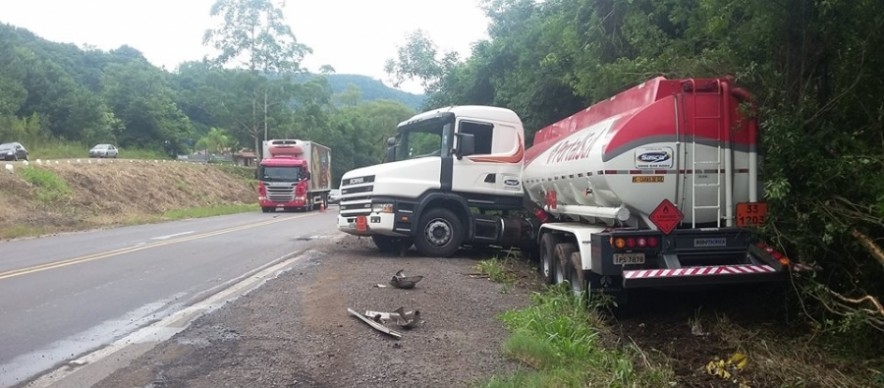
pixel 662 139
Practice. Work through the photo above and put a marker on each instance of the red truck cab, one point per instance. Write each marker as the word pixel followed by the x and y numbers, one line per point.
pixel 283 179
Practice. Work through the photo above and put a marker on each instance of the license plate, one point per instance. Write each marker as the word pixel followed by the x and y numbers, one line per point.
pixel 710 242
pixel 751 213
pixel 629 258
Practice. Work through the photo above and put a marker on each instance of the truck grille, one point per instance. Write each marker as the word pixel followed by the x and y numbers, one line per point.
pixel 356 196
pixel 281 193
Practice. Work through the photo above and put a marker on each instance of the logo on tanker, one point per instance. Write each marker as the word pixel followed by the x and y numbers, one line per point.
pixel 653 157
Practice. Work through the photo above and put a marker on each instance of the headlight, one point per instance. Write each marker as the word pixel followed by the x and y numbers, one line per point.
pixel 382 208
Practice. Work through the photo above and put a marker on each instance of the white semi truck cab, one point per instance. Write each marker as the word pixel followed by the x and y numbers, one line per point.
pixel 448 177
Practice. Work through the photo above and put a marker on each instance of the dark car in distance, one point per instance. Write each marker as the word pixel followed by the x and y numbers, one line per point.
pixel 13 151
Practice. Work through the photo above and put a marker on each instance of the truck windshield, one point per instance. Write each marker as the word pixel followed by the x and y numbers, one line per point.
pixel 279 174
pixel 431 137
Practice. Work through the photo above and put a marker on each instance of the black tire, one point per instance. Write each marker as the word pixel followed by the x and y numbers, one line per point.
pixel 576 276
pixel 389 244
pixel 563 261
pixel 440 233
pixel 547 260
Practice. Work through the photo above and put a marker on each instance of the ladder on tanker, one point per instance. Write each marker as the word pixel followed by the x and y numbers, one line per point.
pixel 702 166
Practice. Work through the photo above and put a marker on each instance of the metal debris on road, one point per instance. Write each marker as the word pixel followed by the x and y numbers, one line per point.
pixel 407 319
pixel 405 282
pixel 400 317
pixel 381 285
pixel 376 325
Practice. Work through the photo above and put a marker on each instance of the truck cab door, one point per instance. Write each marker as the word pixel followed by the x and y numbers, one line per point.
pixel 494 165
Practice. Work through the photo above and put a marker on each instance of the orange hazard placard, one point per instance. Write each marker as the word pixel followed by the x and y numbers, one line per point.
pixel 751 213
pixel 666 216
pixel 361 224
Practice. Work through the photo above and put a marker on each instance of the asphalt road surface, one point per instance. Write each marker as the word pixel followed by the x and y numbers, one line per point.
pixel 66 295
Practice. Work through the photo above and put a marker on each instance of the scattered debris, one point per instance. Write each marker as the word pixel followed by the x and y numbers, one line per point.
pixel 478 276
pixel 405 282
pixel 400 317
pixel 381 285
pixel 697 328
pixel 376 325
pixel 727 370
pixel 407 319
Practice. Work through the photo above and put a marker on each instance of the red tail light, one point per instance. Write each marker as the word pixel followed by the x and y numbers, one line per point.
pixel 634 242
pixel 652 242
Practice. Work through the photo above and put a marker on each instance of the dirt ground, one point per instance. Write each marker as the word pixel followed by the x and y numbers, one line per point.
pixel 295 330
pixel 114 192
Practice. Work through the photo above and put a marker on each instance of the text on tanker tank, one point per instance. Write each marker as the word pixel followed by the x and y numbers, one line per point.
pixel 571 149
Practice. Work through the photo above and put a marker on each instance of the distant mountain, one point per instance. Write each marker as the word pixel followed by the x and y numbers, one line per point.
pixel 373 89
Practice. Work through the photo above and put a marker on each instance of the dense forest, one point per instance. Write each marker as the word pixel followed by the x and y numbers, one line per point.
pixel 51 92
pixel 816 70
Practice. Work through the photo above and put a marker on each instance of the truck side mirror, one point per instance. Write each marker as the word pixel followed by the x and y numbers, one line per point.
pixel 306 176
pixel 391 150
pixel 466 145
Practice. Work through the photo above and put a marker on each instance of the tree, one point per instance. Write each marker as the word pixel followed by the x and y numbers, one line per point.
pixel 419 60
pixel 253 33
pixel 216 141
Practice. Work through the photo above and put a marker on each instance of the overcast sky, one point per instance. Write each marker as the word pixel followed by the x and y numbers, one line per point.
pixel 353 36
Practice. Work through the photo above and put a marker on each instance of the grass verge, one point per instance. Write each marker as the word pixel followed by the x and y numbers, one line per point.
pixel 58 149
pixel 209 211
pixel 496 270
pixel 560 340
pixel 50 187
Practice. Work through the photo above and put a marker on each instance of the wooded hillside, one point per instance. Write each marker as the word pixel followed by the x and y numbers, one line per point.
pixel 816 69
pixel 51 91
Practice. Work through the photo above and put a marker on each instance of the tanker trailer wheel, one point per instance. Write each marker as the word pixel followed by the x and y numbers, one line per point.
pixel 563 261
pixel 575 276
pixel 440 233
pixel 388 244
pixel 547 257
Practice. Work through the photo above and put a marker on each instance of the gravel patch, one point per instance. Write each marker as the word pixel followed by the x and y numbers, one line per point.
pixel 295 331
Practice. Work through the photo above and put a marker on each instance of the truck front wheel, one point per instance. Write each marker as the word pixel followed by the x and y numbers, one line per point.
pixel 440 233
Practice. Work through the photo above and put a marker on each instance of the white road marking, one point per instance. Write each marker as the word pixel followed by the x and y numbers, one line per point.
pixel 168 236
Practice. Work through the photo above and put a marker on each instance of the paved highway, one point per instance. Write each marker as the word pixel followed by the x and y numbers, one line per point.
pixel 63 296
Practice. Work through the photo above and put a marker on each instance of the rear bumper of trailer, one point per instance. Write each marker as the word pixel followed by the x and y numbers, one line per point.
pixel 716 274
